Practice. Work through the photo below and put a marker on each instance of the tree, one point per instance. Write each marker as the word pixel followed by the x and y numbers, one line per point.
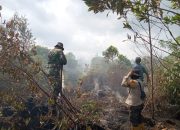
pixel 16 41
pixel 147 15
pixel 18 64
pixel 171 73
pixel 117 68
pixel 17 67
pixel 162 15
pixel 123 60
pixel 110 53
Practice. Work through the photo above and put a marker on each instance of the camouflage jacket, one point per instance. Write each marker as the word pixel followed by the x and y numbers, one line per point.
pixel 56 58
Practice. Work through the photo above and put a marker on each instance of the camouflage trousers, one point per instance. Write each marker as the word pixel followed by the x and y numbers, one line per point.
pixel 55 81
pixel 135 115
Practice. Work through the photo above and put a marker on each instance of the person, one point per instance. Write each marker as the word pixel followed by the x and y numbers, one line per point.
pixel 139 67
pixel 56 60
pixel 134 99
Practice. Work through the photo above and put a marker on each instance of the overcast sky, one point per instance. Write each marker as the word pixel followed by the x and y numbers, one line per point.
pixel 83 33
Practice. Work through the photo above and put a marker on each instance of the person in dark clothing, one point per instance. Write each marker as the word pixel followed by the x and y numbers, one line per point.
pixel 139 67
pixel 56 60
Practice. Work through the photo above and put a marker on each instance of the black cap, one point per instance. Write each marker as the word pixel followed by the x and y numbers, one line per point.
pixel 59 45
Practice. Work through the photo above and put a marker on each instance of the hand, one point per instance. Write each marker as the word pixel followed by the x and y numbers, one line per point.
pixel 126 77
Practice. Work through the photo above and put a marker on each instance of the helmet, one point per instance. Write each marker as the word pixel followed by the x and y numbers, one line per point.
pixel 59 45
pixel 138 60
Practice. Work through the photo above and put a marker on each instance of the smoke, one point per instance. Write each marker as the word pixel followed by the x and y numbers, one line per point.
pixel 121 98
pixel 96 85
pixel 120 95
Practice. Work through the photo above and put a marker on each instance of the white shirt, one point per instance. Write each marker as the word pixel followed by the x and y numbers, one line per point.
pixel 134 96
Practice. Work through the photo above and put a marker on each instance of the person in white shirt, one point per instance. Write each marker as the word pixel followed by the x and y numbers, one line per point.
pixel 135 99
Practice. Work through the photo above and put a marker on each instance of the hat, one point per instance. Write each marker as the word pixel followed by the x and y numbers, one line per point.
pixel 59 45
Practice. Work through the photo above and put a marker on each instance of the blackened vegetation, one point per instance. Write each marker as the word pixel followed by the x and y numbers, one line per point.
pixel 29 118
pixel 7 111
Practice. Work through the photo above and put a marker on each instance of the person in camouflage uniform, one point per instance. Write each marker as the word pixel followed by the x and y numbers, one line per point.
pixel 56 60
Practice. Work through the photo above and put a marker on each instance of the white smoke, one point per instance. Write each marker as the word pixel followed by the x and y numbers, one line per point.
pixel 96 84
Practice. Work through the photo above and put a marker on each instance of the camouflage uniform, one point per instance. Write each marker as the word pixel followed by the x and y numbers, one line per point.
pixel 56 60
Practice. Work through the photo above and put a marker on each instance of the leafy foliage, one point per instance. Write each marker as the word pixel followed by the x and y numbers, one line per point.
pixel 171 73
pixel 110 53
pixel 16 43
pixel 20 73
pixel 123 60
pixel 92 111
pixel 144 11
pixel 138 7
pixel 161 17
